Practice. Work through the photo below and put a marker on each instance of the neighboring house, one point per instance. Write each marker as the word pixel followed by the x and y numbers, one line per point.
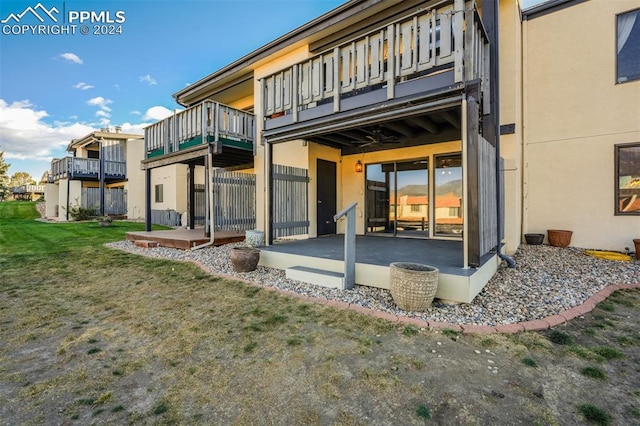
pixel 103 173
pixel 389 104
pixel 580 123
pixel 27 192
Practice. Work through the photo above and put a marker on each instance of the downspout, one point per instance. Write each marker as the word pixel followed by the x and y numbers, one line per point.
pixel 211 202
pixel 491 7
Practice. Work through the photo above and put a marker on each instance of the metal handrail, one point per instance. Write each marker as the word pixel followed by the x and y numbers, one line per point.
pixel 349 279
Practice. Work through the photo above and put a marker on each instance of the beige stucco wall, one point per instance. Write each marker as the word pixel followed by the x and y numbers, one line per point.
pixel 173 179
pixel 52 199
pixel 135 180
pixel 574 114
pixel 74 196
pixel 260 160
pixel 511 113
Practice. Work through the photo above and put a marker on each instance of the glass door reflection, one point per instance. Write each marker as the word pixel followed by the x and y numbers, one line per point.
pixel 398 198
pixel 448 204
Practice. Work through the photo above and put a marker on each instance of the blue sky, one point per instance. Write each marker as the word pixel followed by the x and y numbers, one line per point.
pixel 57 87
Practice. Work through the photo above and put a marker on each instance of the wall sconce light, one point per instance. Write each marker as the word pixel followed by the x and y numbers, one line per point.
pixel 359 166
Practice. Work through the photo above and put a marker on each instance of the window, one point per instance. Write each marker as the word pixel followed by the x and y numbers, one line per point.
pixel 627 179
pixel 415 208
pixel 159 193
pixel 628 46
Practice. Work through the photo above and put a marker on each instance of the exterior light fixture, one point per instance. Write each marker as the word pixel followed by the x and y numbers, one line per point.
pixel 359 166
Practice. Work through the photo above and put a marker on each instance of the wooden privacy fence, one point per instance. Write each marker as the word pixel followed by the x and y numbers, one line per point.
pixel 290 212
pixel 487 199
pixel 200 204
pixel 166 217
pixel 115 200
pixel 234 200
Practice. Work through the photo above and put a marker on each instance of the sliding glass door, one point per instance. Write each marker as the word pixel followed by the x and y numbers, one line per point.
pixel 398 198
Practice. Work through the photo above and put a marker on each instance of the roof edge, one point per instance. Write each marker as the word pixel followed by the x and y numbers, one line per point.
pixel 548 7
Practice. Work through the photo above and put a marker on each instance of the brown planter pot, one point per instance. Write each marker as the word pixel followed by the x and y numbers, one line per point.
pixel 559 238
pixel 244 259
pixel 636 242
pixel 413 286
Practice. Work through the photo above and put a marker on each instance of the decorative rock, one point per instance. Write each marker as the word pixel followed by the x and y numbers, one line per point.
pixel 546 281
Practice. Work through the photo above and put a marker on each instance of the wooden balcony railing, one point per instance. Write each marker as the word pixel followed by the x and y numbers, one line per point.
pixel 86 168
pixel 446 37
pixel 204 123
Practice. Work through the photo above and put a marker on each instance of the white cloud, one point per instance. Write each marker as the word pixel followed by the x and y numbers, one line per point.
pixel 25 136
pixel 101 102
pixel 136 112
pixel 104 112
pixel 148 79
pixel 83 86
pixel 157 113
pixel 71 57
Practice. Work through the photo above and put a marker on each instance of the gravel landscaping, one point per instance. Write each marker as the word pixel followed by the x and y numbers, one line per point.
pixel 546 281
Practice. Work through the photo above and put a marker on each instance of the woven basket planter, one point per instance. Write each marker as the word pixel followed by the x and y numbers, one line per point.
pixel 413 285
pixel 558 238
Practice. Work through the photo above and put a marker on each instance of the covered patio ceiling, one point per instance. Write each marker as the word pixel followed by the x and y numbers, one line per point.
pixel 433 127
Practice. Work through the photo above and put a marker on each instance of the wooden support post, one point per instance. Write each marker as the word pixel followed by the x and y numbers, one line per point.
pixel 147 204
pixel 472 130
pixel 191 207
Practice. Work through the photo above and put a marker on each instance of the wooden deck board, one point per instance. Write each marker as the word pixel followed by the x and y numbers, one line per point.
pixel 186 238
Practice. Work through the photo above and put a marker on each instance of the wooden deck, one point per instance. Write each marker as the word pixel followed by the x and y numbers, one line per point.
pixel 186 238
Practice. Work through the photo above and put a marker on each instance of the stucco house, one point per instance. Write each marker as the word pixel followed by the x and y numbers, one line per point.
pixel 102 172
pixel 477 106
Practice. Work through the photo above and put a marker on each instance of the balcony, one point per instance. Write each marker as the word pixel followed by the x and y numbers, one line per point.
pixel 417 57
pixel 187 134
pixel 86 169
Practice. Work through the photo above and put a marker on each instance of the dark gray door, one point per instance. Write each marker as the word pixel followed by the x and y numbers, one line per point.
pixel 326 190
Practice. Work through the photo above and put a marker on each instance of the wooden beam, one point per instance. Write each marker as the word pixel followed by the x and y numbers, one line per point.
pixel 335 139
pixel 426 124
pixel 401 128
pixel 451 119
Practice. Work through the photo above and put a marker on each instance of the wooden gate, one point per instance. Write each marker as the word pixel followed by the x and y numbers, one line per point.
pixel 234 200
pixel 290 201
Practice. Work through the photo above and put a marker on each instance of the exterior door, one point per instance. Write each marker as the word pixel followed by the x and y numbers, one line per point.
pixel 326 195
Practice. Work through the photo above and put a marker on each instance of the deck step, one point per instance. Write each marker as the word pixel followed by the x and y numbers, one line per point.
pixel 316 276
pixel 146 243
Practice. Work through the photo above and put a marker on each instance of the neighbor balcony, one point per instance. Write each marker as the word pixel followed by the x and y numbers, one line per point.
pixel 189 133
pixel 86 169
pixel 418 56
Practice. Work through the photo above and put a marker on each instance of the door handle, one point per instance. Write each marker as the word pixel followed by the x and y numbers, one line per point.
pixel 319 201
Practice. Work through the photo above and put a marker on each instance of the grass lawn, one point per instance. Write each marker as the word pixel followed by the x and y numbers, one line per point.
pixel 94 335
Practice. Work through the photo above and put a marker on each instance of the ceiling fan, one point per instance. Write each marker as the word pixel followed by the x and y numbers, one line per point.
pixel 376 136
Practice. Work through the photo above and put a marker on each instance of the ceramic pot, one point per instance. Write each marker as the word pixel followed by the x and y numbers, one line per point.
pixel 253 237
pixel 534 239
pixel 559 238
pixel 244 259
